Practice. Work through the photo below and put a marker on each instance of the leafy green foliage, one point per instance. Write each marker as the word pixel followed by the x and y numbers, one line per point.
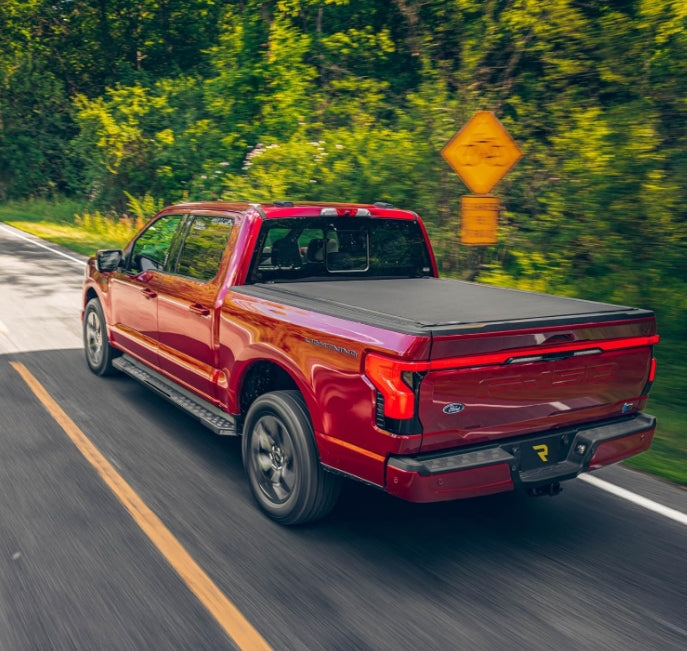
pixel 333 99
pixel 117 229
pixel 34 132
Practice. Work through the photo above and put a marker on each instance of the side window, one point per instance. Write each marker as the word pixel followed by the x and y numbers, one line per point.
pixel 204 246
pixel 151 249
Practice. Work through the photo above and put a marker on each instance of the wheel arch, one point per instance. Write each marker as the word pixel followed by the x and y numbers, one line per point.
pixel 90 293
pixel 261 376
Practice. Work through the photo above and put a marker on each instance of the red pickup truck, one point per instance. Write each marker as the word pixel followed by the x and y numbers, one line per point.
pixel 322 334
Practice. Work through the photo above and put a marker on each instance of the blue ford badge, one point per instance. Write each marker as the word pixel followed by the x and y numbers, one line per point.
pixel 453 408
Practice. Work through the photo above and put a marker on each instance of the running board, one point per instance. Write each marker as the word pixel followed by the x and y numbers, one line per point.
pixel 212 417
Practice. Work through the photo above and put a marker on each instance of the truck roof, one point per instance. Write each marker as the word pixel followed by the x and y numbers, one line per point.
pixel 290 209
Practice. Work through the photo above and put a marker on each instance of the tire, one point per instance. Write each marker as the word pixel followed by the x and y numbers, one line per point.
pixel 281 460
pixel 99 353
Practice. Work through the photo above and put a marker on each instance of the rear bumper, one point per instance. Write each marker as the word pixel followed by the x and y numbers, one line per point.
pixel 530 462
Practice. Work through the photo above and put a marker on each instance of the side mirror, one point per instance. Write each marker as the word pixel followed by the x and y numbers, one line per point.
pixel 108 259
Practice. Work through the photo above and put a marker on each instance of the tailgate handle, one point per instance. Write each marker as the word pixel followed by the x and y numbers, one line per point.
pixel 554 357
pixel 197 308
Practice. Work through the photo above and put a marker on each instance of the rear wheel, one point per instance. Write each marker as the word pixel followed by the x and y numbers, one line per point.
pixel 281 460
pixel 99 353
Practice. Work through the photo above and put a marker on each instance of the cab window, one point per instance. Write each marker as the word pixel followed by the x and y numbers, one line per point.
pixel 152 248
pixel 203 247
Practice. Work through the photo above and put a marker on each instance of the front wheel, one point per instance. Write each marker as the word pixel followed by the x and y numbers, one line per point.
pixel 281 460
pixel 99 353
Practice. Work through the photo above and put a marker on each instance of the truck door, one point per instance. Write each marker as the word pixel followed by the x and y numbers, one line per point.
pixel 187 321
pixel 134 289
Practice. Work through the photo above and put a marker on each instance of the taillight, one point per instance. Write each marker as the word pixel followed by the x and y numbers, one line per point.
pixel 651 378
pixel 394 381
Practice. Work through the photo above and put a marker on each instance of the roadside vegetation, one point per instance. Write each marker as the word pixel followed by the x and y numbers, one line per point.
pixel 70 224
pixel 110 110
pixel 667 456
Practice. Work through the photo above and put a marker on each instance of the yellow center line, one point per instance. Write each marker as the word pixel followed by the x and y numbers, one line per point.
pixel 234 624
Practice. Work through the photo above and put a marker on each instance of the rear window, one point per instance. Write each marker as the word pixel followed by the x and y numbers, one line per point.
pixel 312 248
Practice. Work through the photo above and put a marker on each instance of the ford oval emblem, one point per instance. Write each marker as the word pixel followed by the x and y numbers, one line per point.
pixel 453 408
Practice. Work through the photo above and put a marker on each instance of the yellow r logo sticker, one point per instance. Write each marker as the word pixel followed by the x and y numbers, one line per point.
pixel 543 451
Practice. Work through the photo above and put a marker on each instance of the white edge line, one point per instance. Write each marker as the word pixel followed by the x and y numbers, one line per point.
pixel 13 231
pixel 644 502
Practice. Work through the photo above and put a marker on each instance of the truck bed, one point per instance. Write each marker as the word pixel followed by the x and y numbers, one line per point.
pixel 438 306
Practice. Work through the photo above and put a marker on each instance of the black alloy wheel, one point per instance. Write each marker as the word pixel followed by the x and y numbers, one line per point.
pixel 280 458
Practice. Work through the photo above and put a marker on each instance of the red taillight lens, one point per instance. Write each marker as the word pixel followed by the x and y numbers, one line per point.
pixel 387 375
pixel 651 378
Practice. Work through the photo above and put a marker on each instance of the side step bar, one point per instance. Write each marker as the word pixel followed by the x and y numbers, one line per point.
pixel 212 417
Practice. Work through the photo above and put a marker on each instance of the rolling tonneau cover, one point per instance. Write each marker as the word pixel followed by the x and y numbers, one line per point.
pixel 438 306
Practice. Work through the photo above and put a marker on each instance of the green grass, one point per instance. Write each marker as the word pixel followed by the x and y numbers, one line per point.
pixel 70 224
pixel 667 456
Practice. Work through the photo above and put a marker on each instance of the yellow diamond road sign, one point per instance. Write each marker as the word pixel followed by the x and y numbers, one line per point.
pixel 482 152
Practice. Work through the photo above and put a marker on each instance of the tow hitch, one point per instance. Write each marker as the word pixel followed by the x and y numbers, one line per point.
pixel 548 489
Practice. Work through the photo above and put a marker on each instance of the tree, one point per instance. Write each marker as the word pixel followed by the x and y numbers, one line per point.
pixel 35 126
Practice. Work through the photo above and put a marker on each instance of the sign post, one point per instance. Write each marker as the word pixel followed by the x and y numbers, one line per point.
pixel 481 153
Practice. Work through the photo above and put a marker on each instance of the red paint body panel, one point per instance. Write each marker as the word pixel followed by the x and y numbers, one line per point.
pixel 186 335
pixel 471 388
pixel 133 314
pixel 340 399
pixel 516 399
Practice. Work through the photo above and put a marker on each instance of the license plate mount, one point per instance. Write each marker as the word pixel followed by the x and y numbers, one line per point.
pixel 544 451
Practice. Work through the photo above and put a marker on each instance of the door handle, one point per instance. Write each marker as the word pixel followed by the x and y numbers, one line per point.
pixel 148 293
pixel 196 308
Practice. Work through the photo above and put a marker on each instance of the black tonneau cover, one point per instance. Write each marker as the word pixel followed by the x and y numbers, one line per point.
pixel 437 306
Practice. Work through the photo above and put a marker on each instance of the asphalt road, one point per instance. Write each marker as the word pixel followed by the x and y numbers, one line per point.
pixel 584 570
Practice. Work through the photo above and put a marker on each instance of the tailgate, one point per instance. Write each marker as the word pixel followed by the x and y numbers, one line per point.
pixel 493 387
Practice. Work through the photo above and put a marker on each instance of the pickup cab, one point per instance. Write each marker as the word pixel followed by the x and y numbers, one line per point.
pixel 322 334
